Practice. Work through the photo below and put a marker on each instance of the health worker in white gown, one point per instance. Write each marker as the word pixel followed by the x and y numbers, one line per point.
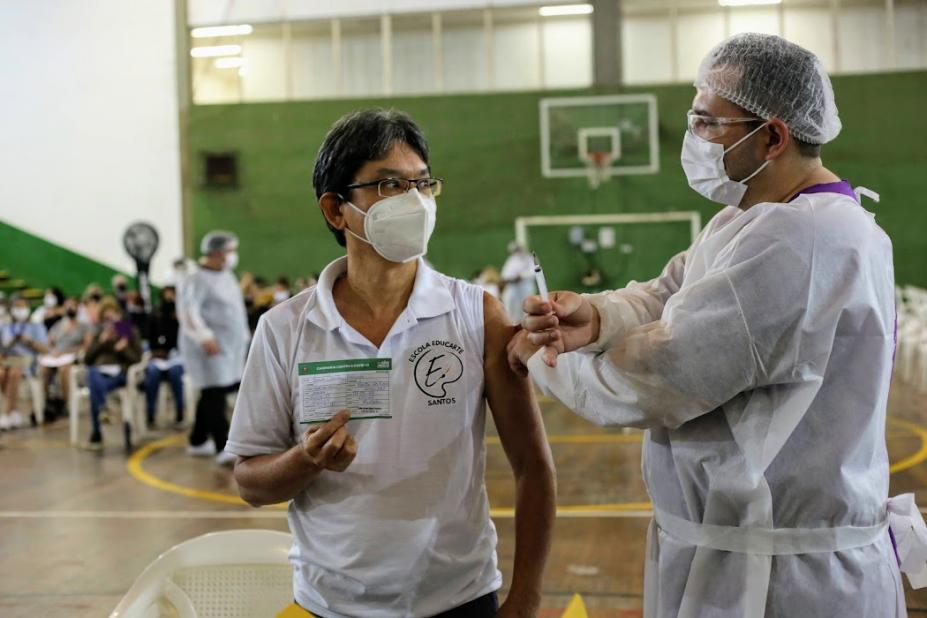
pixel 758 363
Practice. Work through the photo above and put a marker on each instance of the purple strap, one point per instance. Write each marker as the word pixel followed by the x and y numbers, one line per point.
pixel 891 535
pixel 843 187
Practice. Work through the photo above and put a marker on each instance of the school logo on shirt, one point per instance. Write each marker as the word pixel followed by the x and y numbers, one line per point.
pixel 437 364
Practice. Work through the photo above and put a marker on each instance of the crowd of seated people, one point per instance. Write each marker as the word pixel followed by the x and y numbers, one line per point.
pixel 105 331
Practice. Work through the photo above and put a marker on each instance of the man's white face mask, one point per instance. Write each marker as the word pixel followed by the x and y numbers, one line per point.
pixel 399 227
pixel 231 260
pixel 703 163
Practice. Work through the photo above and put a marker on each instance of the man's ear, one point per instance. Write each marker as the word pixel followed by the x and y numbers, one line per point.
pixel 331 206
pixel 778 138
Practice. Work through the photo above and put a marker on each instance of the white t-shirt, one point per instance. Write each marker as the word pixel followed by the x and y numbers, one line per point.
pixel 405 530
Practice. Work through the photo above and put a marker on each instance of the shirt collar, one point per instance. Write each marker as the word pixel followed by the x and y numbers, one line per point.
pixel 430 295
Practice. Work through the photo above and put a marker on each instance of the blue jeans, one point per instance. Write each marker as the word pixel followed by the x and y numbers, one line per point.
pixel 153 379
pixel 101 385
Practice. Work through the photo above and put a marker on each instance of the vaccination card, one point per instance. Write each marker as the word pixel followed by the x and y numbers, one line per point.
pixel 360 386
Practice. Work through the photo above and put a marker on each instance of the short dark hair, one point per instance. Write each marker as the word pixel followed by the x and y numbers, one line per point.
pixel 355 139
pixel 807 149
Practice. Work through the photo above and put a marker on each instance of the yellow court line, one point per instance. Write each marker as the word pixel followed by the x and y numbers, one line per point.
pixel 136 469
pixel 916 458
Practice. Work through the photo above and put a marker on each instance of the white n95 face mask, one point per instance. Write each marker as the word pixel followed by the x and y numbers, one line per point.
pixel 231 260
pixel 703 163
pixel 399 227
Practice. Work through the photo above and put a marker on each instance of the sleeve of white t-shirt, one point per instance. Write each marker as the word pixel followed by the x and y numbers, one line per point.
pixel 262 421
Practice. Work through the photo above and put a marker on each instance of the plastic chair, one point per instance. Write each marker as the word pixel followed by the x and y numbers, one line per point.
pixel 133 415
pixel 36 391
pixel 231 574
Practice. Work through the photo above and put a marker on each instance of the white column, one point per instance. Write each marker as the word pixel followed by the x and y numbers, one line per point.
pixel 488 40
pixel 890 34
pixel 336 56
pixel 437 43
pixel 386 40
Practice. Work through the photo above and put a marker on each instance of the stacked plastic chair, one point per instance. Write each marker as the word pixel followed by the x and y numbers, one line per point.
pixel 911 354
pixel 232 574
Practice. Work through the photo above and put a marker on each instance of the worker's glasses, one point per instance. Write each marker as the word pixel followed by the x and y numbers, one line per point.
pixel 711 127
pixel 390 187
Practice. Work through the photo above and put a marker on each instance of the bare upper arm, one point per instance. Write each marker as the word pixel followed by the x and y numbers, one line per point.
pixel 510 396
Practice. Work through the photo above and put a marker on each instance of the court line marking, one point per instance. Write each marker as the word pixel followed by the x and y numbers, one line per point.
pixel 916 458
pixel 639 509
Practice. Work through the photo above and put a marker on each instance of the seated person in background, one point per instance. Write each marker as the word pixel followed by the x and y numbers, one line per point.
pixel 120 290
pixel 51 310
pixel 67 339
pixel 4 310
pixel 135 311
pixel 89 309
pixel 116 346
pixel 281 290
pixel 165 361
pixel 21 341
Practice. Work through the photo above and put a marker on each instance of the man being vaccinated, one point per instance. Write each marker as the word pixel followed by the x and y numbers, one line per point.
pixel 759 363
pixel 363 403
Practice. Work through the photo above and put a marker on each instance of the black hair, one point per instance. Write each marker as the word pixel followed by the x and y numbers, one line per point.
pixel 807 149
pixel 355 139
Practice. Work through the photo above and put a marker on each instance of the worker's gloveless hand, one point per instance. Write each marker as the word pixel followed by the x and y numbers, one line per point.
pixel 331 446
pixel 564 323
pixel 211 347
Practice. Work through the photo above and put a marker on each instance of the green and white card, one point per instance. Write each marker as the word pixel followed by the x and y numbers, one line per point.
pixel 359 385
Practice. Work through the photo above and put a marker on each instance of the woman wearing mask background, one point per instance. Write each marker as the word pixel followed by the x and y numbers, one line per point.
pixel 51 310
pixel 67 339
pixel 165 360
pixel 116 346
pixel 20 342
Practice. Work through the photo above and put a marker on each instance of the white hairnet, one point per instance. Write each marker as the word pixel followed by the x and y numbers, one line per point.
pixel 217 240
pixel 771 77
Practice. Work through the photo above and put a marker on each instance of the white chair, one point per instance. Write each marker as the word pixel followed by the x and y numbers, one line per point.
pixel 133 415
pixel 232 574
pixel 36 394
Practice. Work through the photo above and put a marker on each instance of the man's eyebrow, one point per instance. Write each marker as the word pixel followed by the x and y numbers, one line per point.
pixel 388 171
pixel 701 111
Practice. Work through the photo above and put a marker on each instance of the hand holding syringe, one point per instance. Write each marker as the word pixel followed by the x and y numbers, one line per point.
pixel 564 323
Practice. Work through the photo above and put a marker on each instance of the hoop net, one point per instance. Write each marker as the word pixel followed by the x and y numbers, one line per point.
pixel 598 167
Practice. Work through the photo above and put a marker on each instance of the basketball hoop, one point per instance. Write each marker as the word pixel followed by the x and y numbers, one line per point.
pixel 598 167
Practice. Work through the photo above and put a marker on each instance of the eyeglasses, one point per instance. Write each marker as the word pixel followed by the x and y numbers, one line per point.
pixel 389 187
pixel 711 127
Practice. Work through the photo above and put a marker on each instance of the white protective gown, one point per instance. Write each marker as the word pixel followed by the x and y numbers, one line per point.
pixel 211 306
pixel 759 363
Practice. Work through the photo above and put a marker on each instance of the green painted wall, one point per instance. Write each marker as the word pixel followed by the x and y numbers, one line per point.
pixel 487 146
pixel 42 264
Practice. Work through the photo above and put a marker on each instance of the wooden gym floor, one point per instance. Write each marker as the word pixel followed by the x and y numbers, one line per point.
pixel 76 528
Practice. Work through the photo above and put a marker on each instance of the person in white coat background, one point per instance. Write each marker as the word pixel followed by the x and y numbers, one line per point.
pixel 758 362
pixel 213 340
pixel 518 277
